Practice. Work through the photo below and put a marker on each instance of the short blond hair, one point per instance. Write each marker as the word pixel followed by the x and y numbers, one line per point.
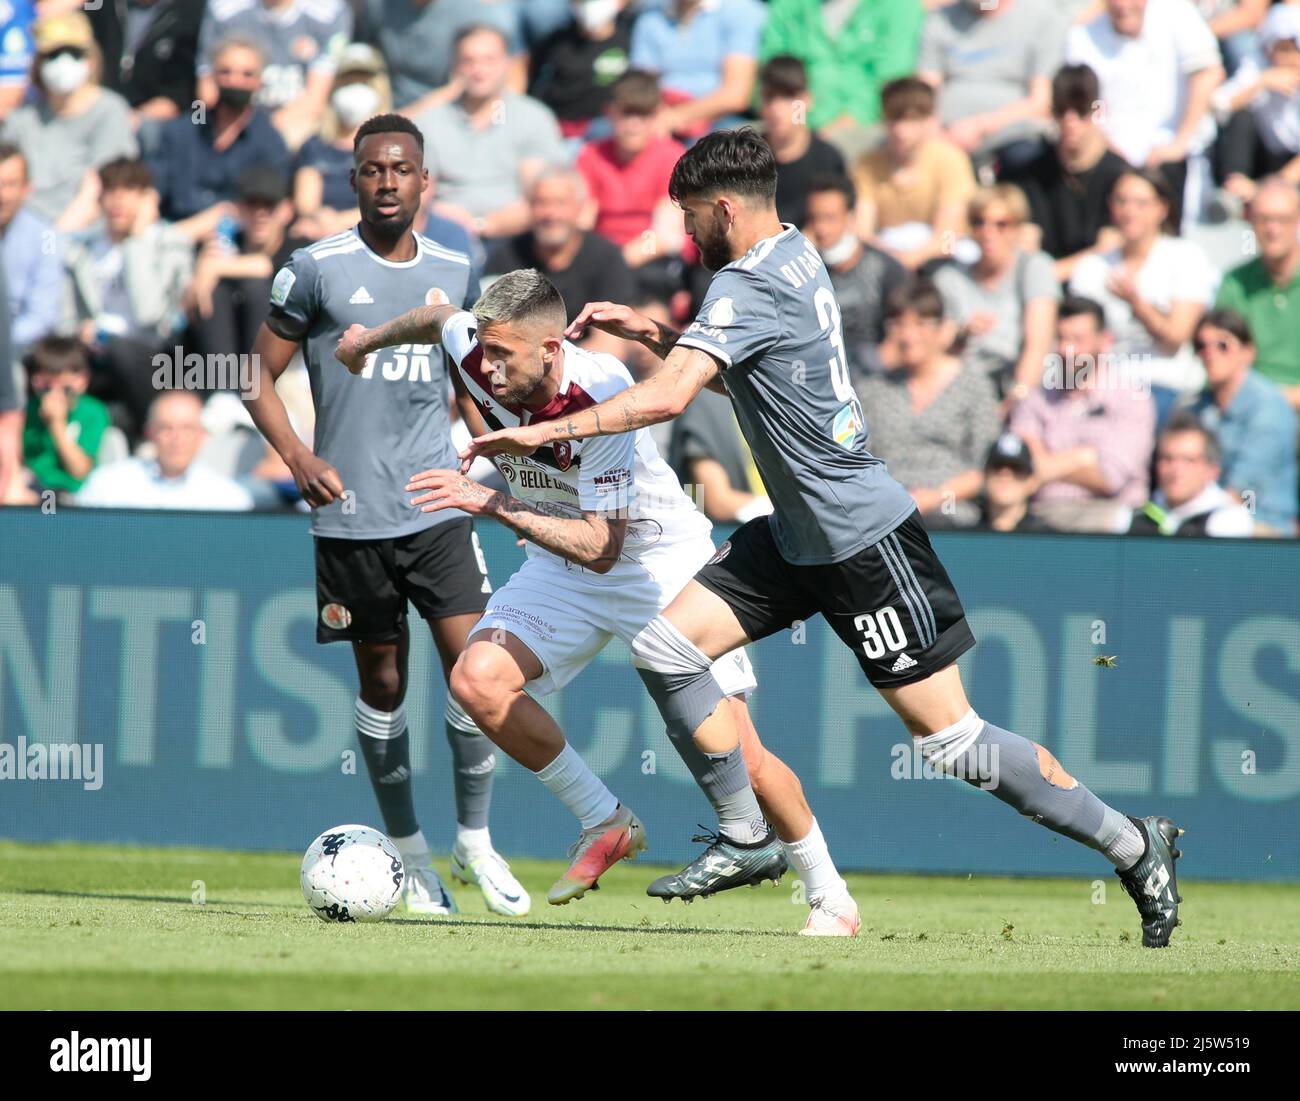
pixel 1002 194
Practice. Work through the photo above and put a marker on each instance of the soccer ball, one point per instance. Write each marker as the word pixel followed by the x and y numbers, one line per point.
pixel 352 873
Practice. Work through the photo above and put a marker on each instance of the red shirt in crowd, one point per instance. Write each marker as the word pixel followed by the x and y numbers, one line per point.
pixel 626 194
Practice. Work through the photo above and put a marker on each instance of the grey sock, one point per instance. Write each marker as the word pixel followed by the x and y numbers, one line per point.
pixel 1026 776
pixel 388 762
pixel 474 762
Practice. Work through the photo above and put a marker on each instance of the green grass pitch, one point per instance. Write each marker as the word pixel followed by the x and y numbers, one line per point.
pixel 100 927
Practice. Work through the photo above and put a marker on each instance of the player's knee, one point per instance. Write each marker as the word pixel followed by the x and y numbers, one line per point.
pixel 479 679
pixel 381 687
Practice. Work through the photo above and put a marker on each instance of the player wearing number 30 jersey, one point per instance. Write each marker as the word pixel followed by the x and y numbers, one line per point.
pixel 844 540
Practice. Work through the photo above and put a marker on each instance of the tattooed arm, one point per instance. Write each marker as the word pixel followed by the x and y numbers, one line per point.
pixel 423 325
pixel 593 540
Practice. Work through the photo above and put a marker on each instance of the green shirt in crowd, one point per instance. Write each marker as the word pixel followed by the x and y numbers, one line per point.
pixel 87 420
pixel 849 63
pixel 1273 314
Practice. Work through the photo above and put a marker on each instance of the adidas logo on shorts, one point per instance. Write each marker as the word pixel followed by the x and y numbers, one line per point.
pixel 903 663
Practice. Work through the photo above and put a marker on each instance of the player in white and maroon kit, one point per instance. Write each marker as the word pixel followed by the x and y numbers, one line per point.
pixel 612 538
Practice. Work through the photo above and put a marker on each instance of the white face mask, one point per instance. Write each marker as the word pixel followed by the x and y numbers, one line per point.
pixel 836 254
pixel 64 74
pixel 593 14
pixel 354 103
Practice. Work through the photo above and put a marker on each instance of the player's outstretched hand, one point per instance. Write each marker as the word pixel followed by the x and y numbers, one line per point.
pixel 523 440
pixel 441 489
pixel 318 482
pixel 351 351
pixel 611 317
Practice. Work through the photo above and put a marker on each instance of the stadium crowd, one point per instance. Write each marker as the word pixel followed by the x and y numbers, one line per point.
pixel 1064 234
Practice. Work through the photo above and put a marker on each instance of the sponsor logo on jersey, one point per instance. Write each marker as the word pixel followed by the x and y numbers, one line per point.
pixel 613 477
pixel 708 332
pixel 361 297
pixel 284 281
pixel 336 617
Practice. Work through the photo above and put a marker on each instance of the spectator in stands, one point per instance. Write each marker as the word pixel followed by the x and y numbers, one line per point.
pixel 1009 483
pixel 933 418
pixel 11 399
pixel 228 297
pixel 32 256
pixel 175 479
pixel 1188 499
pixel 1262 108
pixel 583 266
pixel 1266 290
pixel 1068 182
pixel 197 165
pixel 574 67
pixel 127 278
pixel 70 126
pixel 1252 420
pixel 484 146
pixel 1005 301
pixel 64 424
pixel 800 154
pixel 627 178
pixel 17 50
pixel 913 188
pixel 1090 427
pixel 418 41
pixel 706 55
pixel 322 182
pixel 863 276
pixel 153 68
pixel 301 41
pixel 850 48
pixel 1153 286
pixel 713 461
pixel 1158 64
pixel 1236 24
pixel 992 66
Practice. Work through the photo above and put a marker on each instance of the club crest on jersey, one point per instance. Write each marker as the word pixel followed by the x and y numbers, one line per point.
pixel 563 455
pixel 336 617
pixel 436 296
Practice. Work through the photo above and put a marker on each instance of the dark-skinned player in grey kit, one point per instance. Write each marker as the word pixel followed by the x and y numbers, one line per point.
pixel 845 540
pixel 373 552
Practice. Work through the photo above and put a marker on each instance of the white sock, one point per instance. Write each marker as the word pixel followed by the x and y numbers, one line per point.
pixel 413 846
pixel 578 788
pixel 1127 848
pixel 812 860
pixel 473 843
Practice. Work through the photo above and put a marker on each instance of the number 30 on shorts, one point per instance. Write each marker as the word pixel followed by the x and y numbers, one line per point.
pixel 882 632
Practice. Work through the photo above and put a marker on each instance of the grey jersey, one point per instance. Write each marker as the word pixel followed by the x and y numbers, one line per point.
pixel 389 422
pixel 303 37
pixel 772 320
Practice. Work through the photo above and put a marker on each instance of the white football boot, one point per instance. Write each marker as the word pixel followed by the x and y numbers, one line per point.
pixel 502 892
pixel 423 891
pixel 832 917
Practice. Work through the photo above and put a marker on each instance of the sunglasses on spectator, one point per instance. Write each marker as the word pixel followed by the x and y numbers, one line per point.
pixel 996 223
